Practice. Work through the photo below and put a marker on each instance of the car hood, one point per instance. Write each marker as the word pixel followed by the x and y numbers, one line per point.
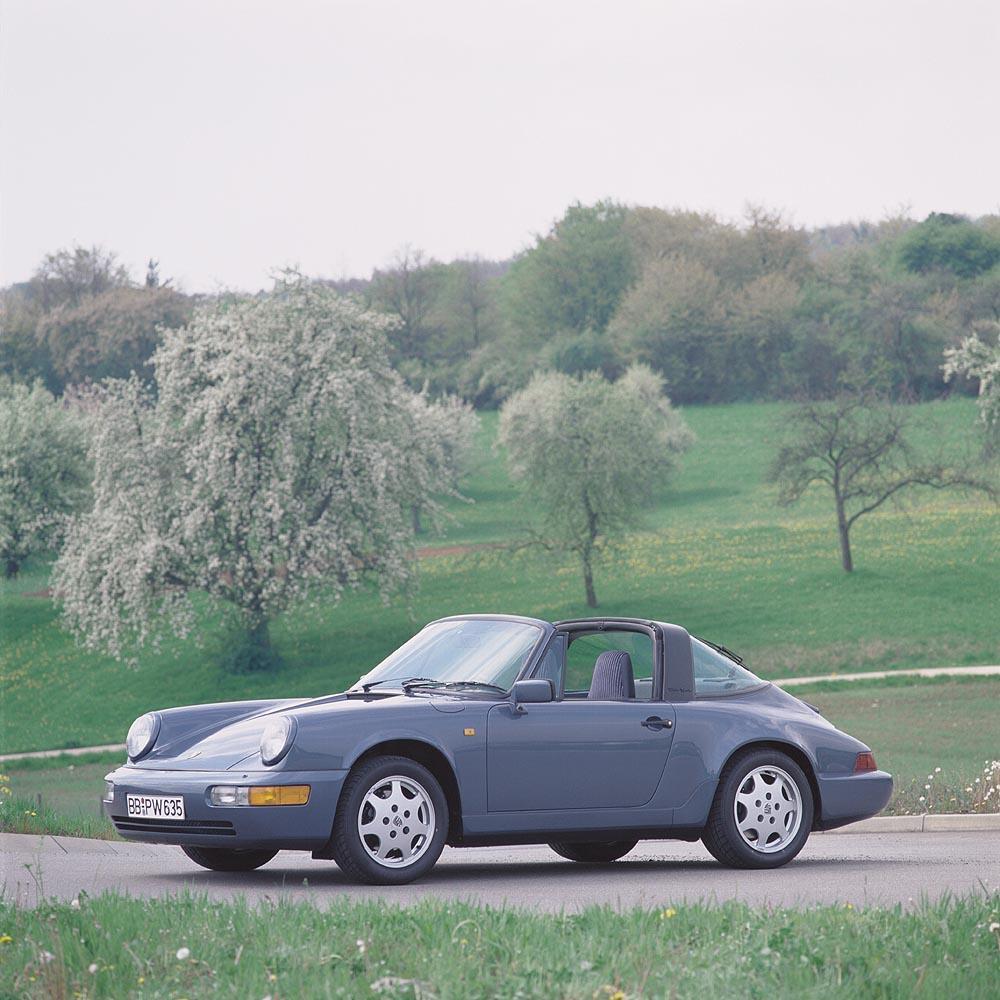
pixel 221 737
pixel 217 737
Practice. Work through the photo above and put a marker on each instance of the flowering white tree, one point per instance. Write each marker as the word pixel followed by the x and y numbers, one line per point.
pixel 278 453
pixel 977 358
pixel 43 471
pixel 447 431
pixel 593 453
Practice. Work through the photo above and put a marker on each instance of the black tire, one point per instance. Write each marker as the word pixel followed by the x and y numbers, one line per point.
pixel 225 859
pixel 722 835
pixel 593 852
pixel 352 850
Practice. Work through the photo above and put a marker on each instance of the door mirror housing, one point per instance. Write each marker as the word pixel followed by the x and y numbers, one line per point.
pixel 531 692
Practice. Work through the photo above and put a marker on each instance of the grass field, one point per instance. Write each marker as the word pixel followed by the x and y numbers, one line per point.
pixel 716 554
pixel 189 947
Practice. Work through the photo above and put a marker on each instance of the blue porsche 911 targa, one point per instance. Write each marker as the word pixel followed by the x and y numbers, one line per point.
pixel 490 729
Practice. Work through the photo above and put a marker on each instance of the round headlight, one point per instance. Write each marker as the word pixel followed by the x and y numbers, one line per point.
pixel 276 739
pixel 142 735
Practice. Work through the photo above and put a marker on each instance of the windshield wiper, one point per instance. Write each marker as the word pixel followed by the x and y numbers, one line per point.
pixel 427 682
pixel 368 685
pixel 411 683
pixel 735 657
pixel 476 684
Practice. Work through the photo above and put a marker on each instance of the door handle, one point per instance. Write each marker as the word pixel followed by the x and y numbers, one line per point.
pixel 655 723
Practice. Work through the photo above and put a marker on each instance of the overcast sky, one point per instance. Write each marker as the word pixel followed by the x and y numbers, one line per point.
pixel 228 138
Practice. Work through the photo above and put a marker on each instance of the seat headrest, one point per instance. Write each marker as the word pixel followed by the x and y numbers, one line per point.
pixel 613 678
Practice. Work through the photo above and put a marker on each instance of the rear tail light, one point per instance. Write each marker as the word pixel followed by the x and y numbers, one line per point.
pixel 865 762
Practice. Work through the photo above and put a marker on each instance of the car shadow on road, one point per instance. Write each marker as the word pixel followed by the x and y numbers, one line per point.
pixel 318 874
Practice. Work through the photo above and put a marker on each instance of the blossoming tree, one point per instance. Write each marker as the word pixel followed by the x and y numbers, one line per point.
pixel 979 357
pixel 592 453
pixel 278 454
pixel 43 471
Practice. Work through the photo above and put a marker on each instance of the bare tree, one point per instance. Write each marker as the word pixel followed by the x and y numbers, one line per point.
pixel 474 295
pixel 405 290
pixel 857 446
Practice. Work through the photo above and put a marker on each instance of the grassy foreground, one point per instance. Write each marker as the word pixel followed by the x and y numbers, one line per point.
pixel 190 947
pixel 716 555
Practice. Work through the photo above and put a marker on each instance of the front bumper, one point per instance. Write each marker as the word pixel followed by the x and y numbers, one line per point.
pixel 294 828
pixel 847 798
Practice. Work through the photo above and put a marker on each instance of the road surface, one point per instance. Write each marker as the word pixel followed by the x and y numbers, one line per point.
pixel 863 869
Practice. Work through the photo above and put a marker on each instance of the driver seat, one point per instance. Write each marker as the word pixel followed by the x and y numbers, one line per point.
pixel 613 677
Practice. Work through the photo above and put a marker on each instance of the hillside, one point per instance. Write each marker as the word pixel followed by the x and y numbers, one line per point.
pixel 716 555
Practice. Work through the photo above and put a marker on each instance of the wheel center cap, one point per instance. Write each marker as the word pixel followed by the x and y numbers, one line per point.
pixel 767 809
pixel 396 821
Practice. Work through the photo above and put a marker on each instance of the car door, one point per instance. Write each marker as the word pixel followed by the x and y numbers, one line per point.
pixel 576 753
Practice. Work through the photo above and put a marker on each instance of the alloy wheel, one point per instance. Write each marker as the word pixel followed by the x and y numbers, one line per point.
pixel 768 809
pixel 396 821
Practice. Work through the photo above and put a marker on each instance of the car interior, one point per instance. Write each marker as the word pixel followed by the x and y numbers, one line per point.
pixel 606 665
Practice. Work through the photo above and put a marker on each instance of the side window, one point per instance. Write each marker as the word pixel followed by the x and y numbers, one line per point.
pixel 715 673
pixel 585 648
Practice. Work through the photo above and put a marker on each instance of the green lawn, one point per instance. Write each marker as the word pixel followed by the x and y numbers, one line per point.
pixel 716 555
pixel 189 947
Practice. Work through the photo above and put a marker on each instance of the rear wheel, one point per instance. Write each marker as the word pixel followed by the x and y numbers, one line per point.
pixel 391 824
pixel 593 852
pixel 762 813
pixel 225 859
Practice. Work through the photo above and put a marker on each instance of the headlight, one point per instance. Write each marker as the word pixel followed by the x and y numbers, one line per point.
pixel 277 739
pixel 142 735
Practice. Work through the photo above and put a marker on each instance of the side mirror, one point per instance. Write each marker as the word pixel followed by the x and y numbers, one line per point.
pixel 531 692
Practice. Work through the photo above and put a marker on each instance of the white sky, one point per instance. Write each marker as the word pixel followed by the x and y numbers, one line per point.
pixel 228 138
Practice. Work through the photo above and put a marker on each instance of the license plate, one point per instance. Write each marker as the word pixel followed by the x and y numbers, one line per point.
pixel 155 806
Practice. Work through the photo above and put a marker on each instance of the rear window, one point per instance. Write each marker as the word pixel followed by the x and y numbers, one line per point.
pixel 715 673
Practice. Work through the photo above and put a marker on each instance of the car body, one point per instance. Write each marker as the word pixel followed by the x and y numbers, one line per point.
pixel 588 735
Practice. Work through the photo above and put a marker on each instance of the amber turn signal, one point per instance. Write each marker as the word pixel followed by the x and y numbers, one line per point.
pixel 279 795
pixel 865 762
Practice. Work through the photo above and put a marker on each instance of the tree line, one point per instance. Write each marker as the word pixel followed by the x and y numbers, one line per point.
pixel 720 311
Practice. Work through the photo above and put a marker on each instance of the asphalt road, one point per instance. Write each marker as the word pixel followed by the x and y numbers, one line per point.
pixel 863 869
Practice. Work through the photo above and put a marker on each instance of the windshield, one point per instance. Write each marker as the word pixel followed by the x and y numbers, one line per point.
pixel 487 652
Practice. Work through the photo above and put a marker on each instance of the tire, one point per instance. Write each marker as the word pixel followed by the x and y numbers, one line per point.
pixel 410 793
pixel 768 781
pixel 593 852
pixel 225 859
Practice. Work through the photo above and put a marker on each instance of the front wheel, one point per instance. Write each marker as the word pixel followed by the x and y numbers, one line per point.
pixel 762 813
pixel 593 852
pixel 391 823
pixel 225 859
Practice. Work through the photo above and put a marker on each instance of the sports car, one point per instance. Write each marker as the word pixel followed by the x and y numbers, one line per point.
pixel 588 735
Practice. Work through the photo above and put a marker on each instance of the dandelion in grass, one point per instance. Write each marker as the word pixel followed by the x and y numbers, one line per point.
pixel 183 954
pixel 92 968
